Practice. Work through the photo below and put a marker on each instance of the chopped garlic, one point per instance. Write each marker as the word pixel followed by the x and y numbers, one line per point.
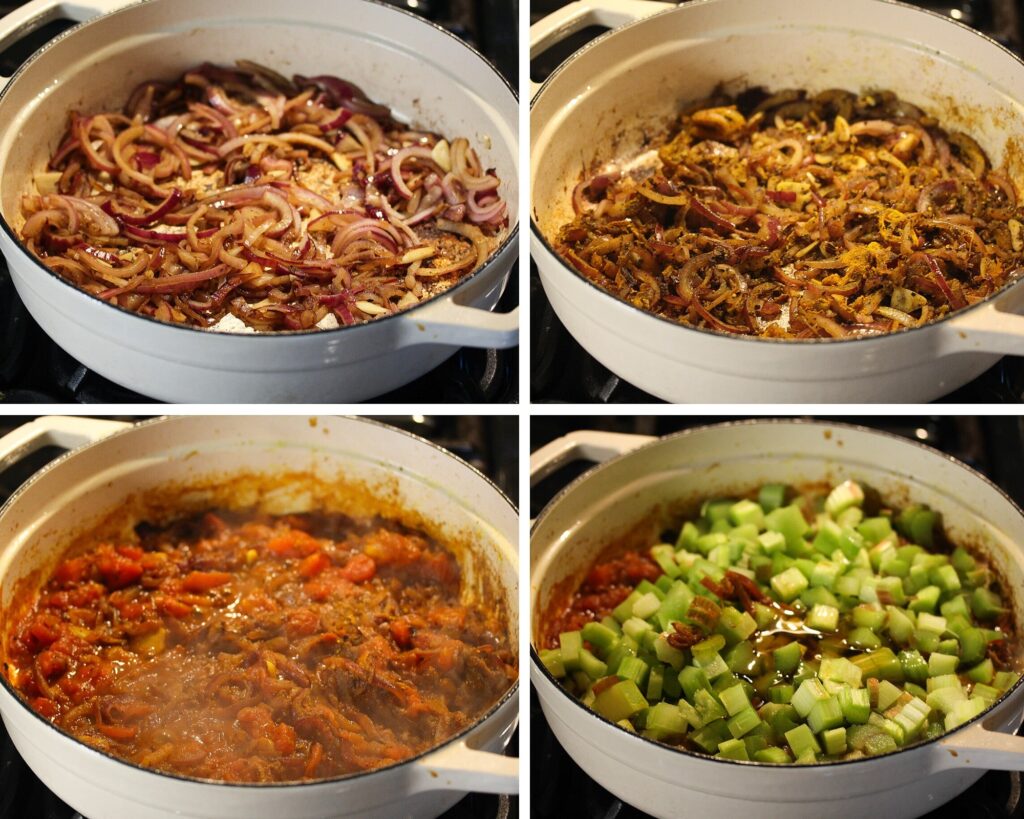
pixel 371 308
pixel 442 155
pixel 1015 235
pixel 46 183
pixel 328 322
pixel 417 254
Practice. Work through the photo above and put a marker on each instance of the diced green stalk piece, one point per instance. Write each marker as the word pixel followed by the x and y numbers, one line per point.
pixel 855 704
pixel 745 512
pixel 656 683
pixel 664 721
pixel 646 606
pixel 591 666
pixel 1005 679
pixel 789 521
pixel 943 699
pixel 688 536
pixel 834 741
pixel 825 714
pixel 602 638
pixel 635 628
pixel 718 509
pixel 926 599
pixel 692 680
pixel 987 692
pixel 840 669
pixel 633 668
pixel 914 666
pixel 771 496
pixel 689 714
pixel 621 701
pixel 983 672
pixel 973 646
pixel 887 695
pixel 734 699
pixel 810 692
pixel 789 583
pixel 868 616
pixel 881 663
pixel 788 657
pixel 711 736
pixel 900 625
pixel 801 739
pixel 624 610
pixel 733 749
pixel 863 638
pixel 570 644
pixel 917 523
pixel 743 722
pixel 964 712
pixel 552 660
pixel 823 618
pixel 736 625
pixel 946 578
pixel 986 604
pixel 847 494
pixel 773 754
pixel 874 530
pixel 742 658
pixel 781 693
pixel 708 708
pixel 940 664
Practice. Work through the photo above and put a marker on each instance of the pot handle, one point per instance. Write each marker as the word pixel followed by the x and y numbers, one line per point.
pixel 980 747
pixel 574 17
pixel 34 15
pixel 53 430
pixel 455 324
pixel 583 445
pixel 458 767
pixel 993 327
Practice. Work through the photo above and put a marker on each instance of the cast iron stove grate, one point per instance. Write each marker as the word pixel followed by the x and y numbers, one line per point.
pixel 33 369
pixel 488 443
pixel 990 444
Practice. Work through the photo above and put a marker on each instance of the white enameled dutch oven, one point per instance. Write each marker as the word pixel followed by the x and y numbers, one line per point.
pixel 115 462
pixel 640 475
pixel 600 104
pixel 427 75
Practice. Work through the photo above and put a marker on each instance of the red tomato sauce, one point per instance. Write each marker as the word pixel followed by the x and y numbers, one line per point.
pixel 253 648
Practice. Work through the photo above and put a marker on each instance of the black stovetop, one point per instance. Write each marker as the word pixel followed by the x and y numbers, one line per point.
pixel 561 371
pixel 489 443
pixel 993 445
pixel 34 370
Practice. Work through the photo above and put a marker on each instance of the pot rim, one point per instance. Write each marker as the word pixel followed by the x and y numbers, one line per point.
pixel 489 264
pixel 5 684
pixel 632 310
pixel 539 667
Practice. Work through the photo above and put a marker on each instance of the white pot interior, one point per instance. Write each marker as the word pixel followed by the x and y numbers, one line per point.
pixel 620 499
pixel 331 464
pixel 610 97
pixel 428 77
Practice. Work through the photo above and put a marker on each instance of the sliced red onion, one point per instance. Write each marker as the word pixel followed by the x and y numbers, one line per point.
pixel 151 235
pixel 102 222
pixel 412 152
pixel 939 192
pixel 344 115
pixel 159 212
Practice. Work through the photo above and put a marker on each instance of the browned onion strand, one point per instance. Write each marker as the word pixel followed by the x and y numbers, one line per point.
pixel 797 216
pixel 289 204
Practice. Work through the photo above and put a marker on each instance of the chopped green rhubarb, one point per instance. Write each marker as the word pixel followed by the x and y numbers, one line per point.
pixel 823 629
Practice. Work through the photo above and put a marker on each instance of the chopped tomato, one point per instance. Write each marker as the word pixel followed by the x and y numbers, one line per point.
pixel 51 664
pixel 303 622
pixel 392 549
pixel 45 706
pixel 72 571
pixel 118 570
pixel 401 633
pixel 293 543
pixel 45 629
pixel 204 581
pixel 314 564
pixel 359 569
pixel 172 607
pixel 120 733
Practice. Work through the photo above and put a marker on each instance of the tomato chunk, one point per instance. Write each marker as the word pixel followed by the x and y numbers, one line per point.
pixel 204 581
pixel 118 570
pixel 359 569
pixel 314 564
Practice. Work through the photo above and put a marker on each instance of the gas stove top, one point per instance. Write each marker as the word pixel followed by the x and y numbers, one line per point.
pixel 561 371
pixel 488 443
pixel 991 444
pixel 33 369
